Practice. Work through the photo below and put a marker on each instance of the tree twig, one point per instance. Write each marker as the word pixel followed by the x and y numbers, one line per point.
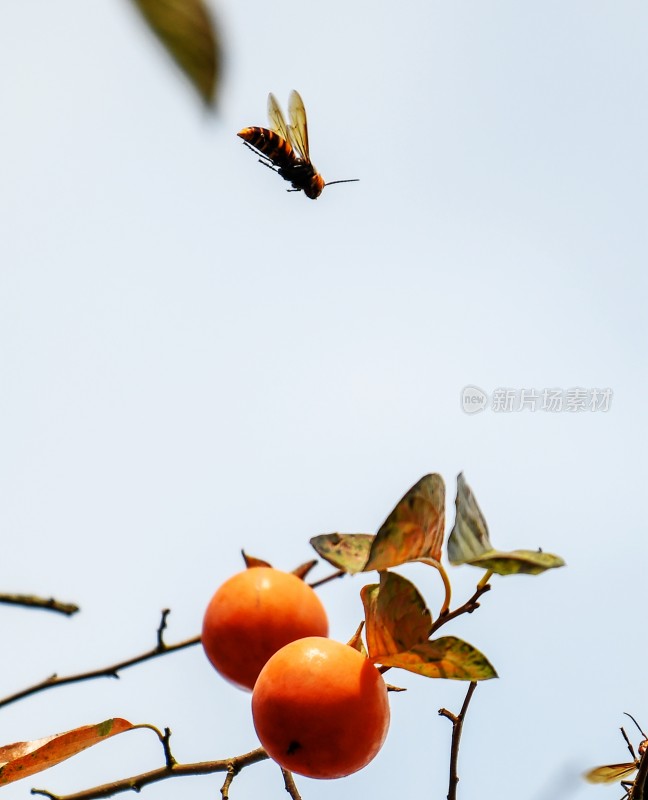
pixel 46 603
pixel 467 608
pixel 230 765
pixel 290 785
pixel 457 725
pixel 231 774
pixel 111 671
pixel 339 573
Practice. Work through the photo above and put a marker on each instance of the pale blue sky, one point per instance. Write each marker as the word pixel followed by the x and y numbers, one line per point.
pixel 193 360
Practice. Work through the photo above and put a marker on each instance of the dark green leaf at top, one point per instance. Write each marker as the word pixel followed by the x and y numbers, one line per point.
pixel 186 29
pixel 469 542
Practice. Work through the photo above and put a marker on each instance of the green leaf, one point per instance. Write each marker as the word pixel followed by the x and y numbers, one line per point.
pixel 469 538
pixel 469 542
pixel 526 562
pixel 186 30
pixel 346 551
pixel 395 614
pixel 447 657
pixel 22 759
pixel 414 529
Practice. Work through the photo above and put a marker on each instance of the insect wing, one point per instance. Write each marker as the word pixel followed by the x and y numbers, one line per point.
pixel 610 773
pixel 298 126
pixel 277 121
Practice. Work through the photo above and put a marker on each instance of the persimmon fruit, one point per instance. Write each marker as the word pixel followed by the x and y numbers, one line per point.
pixel 252 615
pixel 320 708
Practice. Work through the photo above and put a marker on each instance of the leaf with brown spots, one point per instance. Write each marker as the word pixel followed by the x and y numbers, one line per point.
pixel 414 529
pixel 447 657
pixel 396 616
pixel 346 551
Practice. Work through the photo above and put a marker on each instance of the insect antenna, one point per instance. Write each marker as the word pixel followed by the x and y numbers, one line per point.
pixel 636 723
pixel 348 180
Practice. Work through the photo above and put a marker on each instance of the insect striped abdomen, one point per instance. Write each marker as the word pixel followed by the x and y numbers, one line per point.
pixel 277 149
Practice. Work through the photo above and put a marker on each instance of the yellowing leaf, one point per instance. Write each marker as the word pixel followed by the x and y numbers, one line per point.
pixel 414 529
pixel 447 657
pixel 395 614
pixel 186 30
pixel 22 759
pixel 469 542
pixel 527 562
pixel 346 551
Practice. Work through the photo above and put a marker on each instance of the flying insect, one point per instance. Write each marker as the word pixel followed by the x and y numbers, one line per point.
pixel 284 147
pixel 609 773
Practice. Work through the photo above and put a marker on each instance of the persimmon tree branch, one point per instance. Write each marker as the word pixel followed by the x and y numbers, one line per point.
pixel 457 726
pixel 290 785
pixel 467 608
pixel 232 766
pixel 112 671
pixel 339 573
pixel 46 603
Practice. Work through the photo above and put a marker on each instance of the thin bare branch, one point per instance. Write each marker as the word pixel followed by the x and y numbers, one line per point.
pixel 46 603
pixel 467 608
pixel 289 783
pixel 227 782
pixel 111 671
pixel 339 573
pixel 457 725
pixel 137 782
pixel 169 759
pixel 161 628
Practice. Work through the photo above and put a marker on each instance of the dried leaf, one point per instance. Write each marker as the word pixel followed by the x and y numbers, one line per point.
pixel 469 542
pixel 303 569
pixel 346 551
pixel 447 657
pixel 22 759
pixel 414 529
pixel 356 641
pixel 252 561
pixel 186 29
pixel 396 616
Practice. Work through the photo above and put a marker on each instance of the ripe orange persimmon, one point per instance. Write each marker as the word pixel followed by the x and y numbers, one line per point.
pixel 254 614
pixel 320 708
